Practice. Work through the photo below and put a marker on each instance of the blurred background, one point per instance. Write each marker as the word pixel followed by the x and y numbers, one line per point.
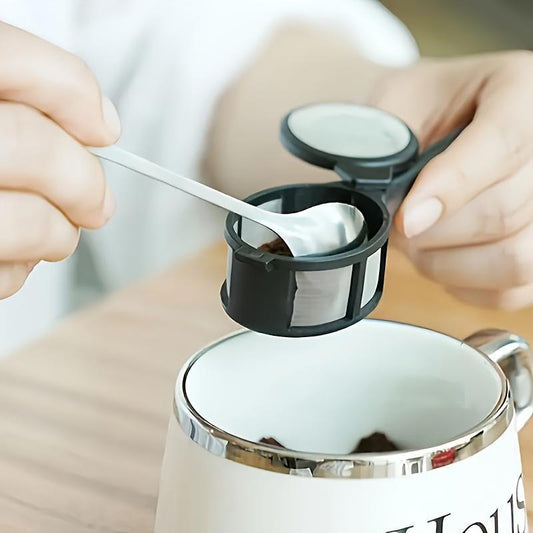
pixel 456 27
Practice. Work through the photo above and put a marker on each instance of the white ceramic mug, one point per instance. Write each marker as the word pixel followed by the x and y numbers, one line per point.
pixel 445 402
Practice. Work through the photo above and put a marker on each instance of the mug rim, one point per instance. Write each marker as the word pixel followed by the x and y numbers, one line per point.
pixel 347 466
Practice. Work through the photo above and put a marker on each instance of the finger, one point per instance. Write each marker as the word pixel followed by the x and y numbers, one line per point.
pixel 494 145
pixel 497 212
pixel 504 264
pixel 505 300
pixel 37 155
pixel 59 84
pixel 12 277
pixel 33 229
pixel 435 96
pixel 477 159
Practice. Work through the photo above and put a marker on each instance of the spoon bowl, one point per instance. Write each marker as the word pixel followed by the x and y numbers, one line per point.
pixel 322 229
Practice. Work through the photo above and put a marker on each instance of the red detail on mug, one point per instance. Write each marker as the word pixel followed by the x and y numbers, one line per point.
pixel 443 459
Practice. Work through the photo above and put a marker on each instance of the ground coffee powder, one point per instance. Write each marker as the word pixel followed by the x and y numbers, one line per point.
pixel 375 443
pixel 277 246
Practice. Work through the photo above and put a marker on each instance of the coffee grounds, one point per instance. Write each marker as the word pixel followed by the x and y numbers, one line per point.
pixel 375 443
pixel 277 246
pixel 272 442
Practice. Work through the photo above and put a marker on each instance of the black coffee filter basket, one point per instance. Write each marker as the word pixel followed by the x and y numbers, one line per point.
pixel 376 155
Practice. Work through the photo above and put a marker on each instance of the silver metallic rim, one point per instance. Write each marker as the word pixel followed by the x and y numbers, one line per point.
pixel 353 466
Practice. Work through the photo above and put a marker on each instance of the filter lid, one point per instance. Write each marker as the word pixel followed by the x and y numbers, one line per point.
pixel 361 143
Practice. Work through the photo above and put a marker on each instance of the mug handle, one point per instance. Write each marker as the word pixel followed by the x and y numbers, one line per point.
pixel 513 355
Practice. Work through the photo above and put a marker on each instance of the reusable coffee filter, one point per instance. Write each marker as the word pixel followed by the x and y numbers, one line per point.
pixel 376 156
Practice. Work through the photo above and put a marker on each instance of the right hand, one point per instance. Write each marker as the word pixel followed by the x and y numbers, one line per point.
pixel 50 185
pixel 467 223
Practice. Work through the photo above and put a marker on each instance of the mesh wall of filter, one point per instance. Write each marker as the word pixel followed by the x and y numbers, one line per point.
pixel 321 296
pixel 324 296
pixel 372 271
pixel 229 261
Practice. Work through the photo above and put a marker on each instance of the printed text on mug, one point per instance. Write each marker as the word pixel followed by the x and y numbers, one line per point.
pixel 509 517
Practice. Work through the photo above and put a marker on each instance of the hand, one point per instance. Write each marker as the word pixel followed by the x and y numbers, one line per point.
pixel 50 185
pixel 468 221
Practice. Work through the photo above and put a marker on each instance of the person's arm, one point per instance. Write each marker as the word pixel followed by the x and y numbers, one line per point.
pixel 299 65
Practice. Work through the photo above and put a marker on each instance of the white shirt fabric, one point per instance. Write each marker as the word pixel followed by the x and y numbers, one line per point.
pixel 164 63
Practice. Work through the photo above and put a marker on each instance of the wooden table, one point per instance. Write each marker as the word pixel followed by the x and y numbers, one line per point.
pixel 83 412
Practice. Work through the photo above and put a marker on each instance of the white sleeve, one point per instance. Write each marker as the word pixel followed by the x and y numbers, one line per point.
pixel 232 32
pixel 239 27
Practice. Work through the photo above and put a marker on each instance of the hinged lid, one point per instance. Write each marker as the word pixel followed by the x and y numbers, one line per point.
pixel 363 145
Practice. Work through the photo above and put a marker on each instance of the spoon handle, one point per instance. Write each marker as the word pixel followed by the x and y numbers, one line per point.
pixel 126 159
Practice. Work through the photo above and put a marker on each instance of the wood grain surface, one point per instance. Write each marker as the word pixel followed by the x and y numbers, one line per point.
pixel 83 412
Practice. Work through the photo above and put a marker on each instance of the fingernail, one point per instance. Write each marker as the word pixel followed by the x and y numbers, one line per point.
pixel 111 117
pixel 421 216
pixel 109 204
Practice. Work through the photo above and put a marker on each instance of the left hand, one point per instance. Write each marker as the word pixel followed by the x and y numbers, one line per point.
pixel 468 221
